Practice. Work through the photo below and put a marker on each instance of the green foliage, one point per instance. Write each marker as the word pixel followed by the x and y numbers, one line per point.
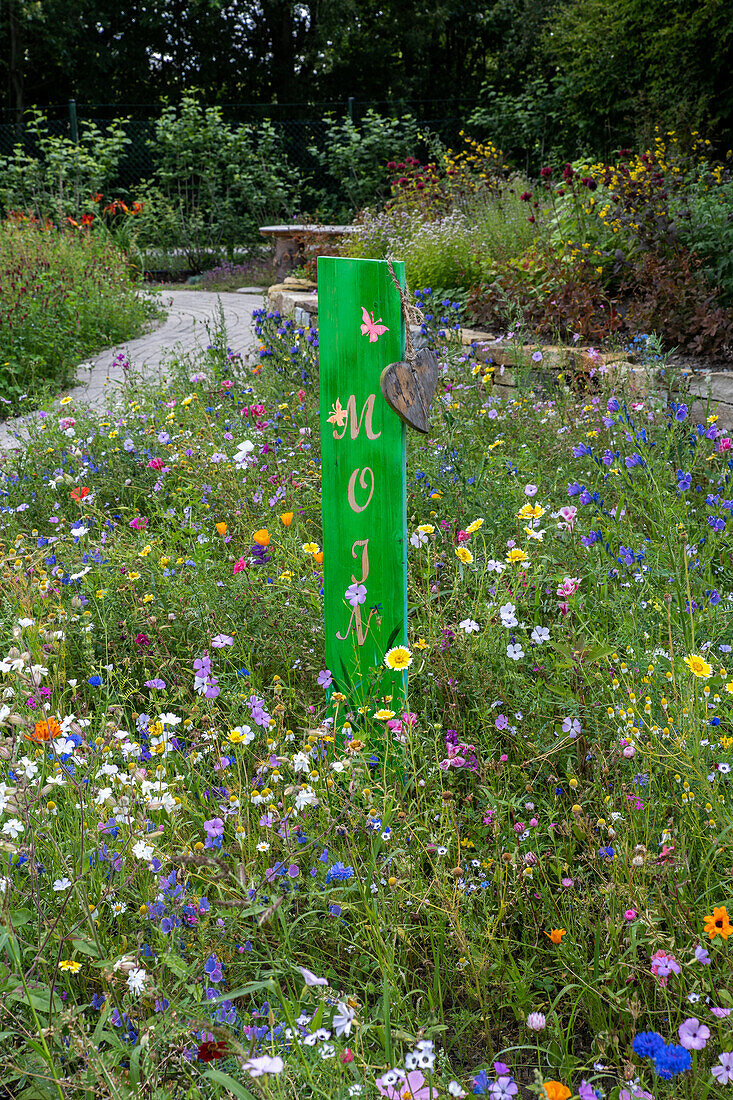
pixel 60 178
pixel 353 158
pixel 214 183
pixel 63 296
pixel 704 222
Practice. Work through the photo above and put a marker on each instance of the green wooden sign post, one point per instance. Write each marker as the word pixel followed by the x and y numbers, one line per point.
pixel 361 332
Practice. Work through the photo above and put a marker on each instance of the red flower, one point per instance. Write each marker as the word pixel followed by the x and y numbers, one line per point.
pixel 546 173
pixel 525 196
pixel 80 493
pixel 209 1052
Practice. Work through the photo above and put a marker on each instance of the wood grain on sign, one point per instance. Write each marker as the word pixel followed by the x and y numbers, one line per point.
pixel 408 388
pixel 363 474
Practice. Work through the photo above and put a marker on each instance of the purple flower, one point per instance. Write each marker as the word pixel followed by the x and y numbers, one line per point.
pixel 537 357
pixel 221 640
pixel 212 969
pixel 355 594
pixel 693 1035
pixel 325 678
pixel 501 722
pixel 503 1088
pixel 214 827
pixel 702 956
pixel 723 1073
pixel 157 683
pixel 571 726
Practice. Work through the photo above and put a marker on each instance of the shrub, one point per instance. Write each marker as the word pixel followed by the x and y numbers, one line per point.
pixel 61 178
pixel 63 296
pixel 214 183
pixel 354 156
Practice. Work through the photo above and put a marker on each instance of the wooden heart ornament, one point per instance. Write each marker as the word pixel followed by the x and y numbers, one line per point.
pixel 409 388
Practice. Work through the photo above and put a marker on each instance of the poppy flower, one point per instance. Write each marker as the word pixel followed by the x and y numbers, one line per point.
pixel 556 935
pixel 286 519
pixel 79 493
pixel 556 1091
pixel 262 537
pixel 717 924
pixel 221 529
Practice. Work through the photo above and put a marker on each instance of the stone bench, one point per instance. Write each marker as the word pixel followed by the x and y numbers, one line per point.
pixel 289 240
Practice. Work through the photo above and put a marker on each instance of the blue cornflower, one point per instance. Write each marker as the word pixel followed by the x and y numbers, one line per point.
pixel 647 1044
pixel 672 1060
pixel 95 681
pixel 481 1083
pixel 339 873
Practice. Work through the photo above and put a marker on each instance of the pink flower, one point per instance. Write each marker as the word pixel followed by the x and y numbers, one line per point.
pixel 568 587
pixel 664 964
pixel 240 565
pixel 724 444
pixel 139 523
pixel 156 464
pixel 568 513
pixel 530 490
pixel 630 914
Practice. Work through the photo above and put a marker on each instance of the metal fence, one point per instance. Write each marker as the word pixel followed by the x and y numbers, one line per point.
pixel 300 126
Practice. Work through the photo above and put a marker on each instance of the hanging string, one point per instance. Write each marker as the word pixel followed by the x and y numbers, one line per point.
pixel 410 312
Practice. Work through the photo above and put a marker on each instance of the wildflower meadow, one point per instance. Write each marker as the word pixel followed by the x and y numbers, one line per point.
pixel 219 878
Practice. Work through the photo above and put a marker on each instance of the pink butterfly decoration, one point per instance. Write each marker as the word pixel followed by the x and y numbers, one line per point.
pixel 374 328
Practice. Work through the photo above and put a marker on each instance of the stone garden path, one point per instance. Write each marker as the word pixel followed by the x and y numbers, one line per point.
pixel 188 313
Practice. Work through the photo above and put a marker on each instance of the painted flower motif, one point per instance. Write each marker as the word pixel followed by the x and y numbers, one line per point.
pixel 355 594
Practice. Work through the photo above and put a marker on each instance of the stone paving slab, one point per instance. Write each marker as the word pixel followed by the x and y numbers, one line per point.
pixel 189 311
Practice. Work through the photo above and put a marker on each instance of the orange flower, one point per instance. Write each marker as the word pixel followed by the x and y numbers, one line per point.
pixel 556 935
pixel 718 924
pixel 221 528
pixel 262 537
pixel 556 1091
pixel 286 518
pixel 80 493
pixel 45 729
pixel 318 557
